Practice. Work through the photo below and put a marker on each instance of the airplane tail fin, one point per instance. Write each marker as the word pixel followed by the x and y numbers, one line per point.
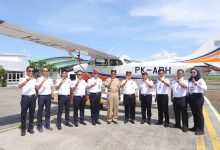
pixel 209 52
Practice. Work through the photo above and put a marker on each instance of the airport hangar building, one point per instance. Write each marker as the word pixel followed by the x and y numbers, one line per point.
pixel 16 64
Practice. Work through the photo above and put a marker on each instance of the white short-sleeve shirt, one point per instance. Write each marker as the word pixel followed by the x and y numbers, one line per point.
pixel 65 87
pixel 80 89
pixel 144 88
pixel 46 87
pixel 161 87
pixel 97 87
pixel 179 91
pixel 129 87
pixel 195 89
pixel 29 87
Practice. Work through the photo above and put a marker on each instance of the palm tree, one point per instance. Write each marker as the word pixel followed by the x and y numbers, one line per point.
pixel 2 77
pixel 38 65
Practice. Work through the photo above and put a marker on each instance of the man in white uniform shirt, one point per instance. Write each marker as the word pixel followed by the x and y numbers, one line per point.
pixel 162 89
pixel 63 87
pixel 28 100
pixel 178 94
pixel 146 97
pixel 130 91
pixel 44 86
pixel 94 85
pixel 78 88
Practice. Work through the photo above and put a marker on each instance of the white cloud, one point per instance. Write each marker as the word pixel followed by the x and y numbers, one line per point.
pixel 185 13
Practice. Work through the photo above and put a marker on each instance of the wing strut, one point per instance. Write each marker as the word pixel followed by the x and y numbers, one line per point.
pixel 78 62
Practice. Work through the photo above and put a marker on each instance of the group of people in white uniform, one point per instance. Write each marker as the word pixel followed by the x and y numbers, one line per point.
pixel 183 92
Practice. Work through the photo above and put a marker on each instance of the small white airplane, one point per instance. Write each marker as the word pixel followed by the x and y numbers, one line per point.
pixel 205 58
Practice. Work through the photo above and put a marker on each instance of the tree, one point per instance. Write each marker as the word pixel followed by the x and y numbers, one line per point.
pixel 2 77
pixel 38 65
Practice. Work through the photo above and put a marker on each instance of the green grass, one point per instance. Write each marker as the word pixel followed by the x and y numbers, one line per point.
pixel 213 78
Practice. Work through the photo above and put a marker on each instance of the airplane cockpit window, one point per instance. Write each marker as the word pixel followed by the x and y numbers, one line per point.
pixel 127 61
pixel 115 62
pixel 101 62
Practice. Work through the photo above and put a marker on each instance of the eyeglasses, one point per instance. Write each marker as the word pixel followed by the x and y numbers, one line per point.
pixel 79 74
pixel 193 72
pixel 30 70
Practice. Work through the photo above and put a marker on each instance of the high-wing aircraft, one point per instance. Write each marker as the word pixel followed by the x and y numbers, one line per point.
pixel 207 57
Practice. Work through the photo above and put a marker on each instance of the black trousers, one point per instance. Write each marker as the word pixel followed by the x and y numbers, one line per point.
pixel 79 103
pixel 196 101
pixel 95 105
pixel 27 102
pixel 162 106
pixel 129 103
pixel 44 100
pixel 180 111
pixel 146 102
pixel 63 100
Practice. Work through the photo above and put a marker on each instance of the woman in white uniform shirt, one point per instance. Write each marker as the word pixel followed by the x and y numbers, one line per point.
pixel 196 87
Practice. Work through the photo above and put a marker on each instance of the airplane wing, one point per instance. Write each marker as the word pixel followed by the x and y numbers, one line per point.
pixel 43 39
pixel 214 65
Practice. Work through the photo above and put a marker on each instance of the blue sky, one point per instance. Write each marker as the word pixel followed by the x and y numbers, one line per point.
pixel 138 29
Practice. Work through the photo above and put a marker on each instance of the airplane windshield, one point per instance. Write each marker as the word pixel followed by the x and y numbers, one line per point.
pixel 115 62
pixel 127 61
pixel 101 62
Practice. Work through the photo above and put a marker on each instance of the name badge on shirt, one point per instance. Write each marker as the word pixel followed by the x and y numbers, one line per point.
pixel 191 89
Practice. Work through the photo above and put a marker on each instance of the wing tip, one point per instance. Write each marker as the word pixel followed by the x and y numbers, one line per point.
pixel 1 21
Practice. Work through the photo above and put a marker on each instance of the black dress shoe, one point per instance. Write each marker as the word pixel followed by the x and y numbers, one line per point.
pixel 149 121
pixel 68 124
pixel 185 129
pixel 23 132
pixel 93 123
pixel 108 122
pixel 166 125
pixel 176 126
pixel 40 129
pixel 76 124
pixel 199 132
pixel 126 121
pixel 31 131
pixel 132 121
pixel 59 127
pixel 158 123
pixel 193 129
pixel 49 128
pixel 143 121
pixel 83 122
pixel 98 122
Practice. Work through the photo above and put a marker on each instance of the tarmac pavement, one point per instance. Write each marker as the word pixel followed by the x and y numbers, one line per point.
pixel 109 137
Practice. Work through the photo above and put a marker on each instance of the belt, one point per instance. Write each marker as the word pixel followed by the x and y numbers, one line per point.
pixel 63 95
pixel 95 93
pixel 28 95
pixel 129 94
pixel 195 93
pixel 79 95
pixel 45 95
pixel 162 94
pixel 179 97
pixel 113 92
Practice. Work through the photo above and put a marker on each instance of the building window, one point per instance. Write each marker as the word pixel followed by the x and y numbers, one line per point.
pixel 14 76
